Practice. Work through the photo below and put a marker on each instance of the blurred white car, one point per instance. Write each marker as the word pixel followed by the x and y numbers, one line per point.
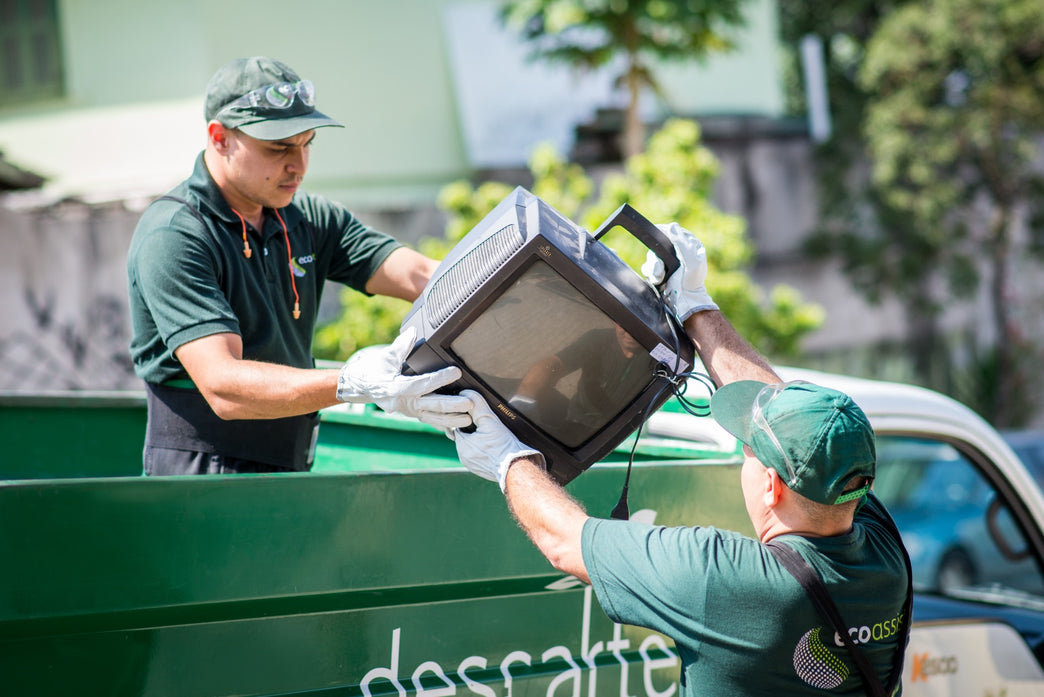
pixel 1029 446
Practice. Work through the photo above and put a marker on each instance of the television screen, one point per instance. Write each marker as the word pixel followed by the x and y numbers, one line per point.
pixel 570 378
pixel 569 345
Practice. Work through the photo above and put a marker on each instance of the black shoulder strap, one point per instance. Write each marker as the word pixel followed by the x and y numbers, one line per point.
pixel 782 552
pixel 904 628
pixel 817 592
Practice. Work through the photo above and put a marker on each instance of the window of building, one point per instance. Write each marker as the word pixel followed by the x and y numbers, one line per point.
pixel 30 52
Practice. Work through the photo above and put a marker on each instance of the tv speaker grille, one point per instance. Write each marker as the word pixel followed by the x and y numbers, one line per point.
pixel 469 272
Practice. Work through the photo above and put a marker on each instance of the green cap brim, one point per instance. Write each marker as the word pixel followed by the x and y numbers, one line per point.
pixel 278 129
pixel 732 406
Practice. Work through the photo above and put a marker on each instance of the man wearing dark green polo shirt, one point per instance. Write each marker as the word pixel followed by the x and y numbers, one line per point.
pixel 225 275
pixel 742 625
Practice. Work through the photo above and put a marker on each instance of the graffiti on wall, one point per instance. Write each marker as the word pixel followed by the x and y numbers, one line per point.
pixel 64 323
pixel 54 353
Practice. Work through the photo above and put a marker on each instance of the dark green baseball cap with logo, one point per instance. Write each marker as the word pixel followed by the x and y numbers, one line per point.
pixel 263 98
pixel 815 437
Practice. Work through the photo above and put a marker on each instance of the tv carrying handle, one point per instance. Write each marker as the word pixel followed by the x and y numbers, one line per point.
pixel 646 233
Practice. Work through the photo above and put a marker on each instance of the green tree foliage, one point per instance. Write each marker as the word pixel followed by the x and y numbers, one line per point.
pixel 589 34
pixel 957 107
pixel 671 181
pixel 867 223
pixel 363 321
pixel 891 261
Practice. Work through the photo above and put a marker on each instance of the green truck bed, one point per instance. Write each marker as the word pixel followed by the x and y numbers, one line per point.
pixel 101 434
pixel 388 570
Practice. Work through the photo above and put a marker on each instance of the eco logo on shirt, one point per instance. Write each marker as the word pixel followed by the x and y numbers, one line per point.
pixel 815 664
pixel 297 265
pixel 820 667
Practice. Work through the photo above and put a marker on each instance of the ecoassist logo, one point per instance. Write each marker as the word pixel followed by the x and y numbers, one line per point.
pixel 816 665
pixel 821 666
pixel 297 265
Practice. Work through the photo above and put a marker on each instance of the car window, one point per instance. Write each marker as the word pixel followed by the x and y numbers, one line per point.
pixel 961 537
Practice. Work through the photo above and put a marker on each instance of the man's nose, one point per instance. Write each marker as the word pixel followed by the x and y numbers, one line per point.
pixel 298 160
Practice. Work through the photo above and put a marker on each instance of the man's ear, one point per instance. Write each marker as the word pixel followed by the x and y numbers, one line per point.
pixel 773 487
pixel 219 136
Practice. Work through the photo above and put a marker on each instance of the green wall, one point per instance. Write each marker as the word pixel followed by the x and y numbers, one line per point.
pixel 136 69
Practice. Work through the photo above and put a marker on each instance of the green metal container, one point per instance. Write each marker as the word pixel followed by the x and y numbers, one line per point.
pixel 101 434
pixel 387 570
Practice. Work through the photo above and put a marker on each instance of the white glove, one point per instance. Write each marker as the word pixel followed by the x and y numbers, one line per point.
pixel 684 293
pixel 374 374
pixel 491 448
pixel 443 411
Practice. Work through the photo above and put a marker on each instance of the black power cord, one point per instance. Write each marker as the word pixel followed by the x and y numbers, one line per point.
pixel 678 383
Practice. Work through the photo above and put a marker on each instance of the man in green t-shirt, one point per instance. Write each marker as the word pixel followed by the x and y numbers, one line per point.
pixel 741 623
pixel 225 273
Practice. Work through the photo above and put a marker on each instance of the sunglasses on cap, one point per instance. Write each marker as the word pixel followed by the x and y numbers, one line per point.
pixel 280 95
pixel 765 397
pixel 761 401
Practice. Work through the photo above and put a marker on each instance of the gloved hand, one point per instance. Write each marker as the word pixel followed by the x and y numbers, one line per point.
pixel 443 411
pixel 684 293
pixel 491 448
pixel 374 374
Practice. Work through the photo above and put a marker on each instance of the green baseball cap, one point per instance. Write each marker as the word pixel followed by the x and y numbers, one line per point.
pixel 263 98
pixel 816 438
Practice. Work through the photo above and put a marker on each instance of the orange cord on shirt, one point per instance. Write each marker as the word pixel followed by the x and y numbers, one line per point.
pixel 290 266
pixel 290 257
pixel 246 245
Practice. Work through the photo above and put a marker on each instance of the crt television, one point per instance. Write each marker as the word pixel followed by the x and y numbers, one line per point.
pixel 568 344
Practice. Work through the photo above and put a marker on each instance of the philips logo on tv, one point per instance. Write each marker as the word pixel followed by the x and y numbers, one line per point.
pixel 506 412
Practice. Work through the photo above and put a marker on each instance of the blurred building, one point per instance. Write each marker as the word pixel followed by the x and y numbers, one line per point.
pixel 101 110
pixel 105 98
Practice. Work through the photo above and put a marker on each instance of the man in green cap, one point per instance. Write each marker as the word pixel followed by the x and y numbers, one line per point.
pixel 225 273
pixel 741 623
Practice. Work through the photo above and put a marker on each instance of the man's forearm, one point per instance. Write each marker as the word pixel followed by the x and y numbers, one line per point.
pixel 255 390
pixel 725 354
pixel 243 389
pixel 552 519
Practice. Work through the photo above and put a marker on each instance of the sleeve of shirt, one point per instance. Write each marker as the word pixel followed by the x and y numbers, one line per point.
pixel 873 516
pixel 184 298
pixel 648 575
pixel 350 250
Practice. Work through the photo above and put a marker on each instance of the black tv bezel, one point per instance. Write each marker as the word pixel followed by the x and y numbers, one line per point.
pixel 564 462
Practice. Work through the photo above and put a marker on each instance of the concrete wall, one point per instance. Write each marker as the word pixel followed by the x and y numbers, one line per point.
pixel 63 321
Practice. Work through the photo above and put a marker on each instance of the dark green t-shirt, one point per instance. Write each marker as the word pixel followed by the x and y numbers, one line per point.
pixel 188 277
pixel 742 625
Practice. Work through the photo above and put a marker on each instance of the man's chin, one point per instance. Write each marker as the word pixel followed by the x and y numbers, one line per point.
pixel 281 201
